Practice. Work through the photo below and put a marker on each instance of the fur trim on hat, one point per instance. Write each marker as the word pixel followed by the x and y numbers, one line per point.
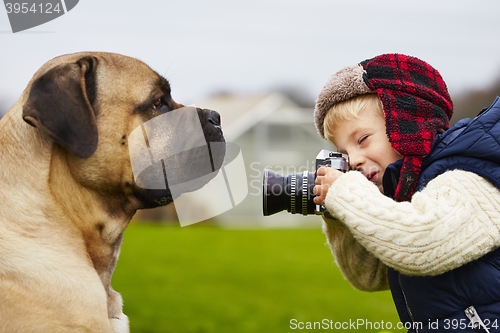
pixel 343 85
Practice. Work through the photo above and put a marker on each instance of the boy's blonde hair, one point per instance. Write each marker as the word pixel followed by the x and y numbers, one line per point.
pixel 348 110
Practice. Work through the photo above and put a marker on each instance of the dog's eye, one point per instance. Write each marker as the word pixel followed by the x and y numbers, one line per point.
pixel 158 104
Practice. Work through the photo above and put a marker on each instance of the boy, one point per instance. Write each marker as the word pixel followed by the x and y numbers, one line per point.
pixel 430 227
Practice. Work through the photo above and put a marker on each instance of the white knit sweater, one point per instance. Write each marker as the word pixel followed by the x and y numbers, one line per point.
pixel 455 219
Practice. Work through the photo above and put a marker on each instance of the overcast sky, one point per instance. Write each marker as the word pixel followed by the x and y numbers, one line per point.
pixel 251 46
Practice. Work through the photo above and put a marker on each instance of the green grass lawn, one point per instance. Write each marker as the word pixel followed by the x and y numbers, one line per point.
pixel 206 279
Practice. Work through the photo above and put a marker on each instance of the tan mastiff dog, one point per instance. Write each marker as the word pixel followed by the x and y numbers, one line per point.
pixel 67 190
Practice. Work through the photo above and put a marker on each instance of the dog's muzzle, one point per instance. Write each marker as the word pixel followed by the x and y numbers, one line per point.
pixel 175 153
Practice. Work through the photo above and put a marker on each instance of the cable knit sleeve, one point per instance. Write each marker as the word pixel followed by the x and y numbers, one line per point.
pixel 453 220
pixel 359 267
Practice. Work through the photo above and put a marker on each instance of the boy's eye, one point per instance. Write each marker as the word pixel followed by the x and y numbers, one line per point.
pixel 363 138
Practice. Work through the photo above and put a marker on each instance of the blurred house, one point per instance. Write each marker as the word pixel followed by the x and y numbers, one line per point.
pixel 273 132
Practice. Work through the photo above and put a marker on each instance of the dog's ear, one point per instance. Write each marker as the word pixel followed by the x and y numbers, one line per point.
pixel 60 103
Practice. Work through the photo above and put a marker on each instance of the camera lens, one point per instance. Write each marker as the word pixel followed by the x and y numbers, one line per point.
pixel 292 192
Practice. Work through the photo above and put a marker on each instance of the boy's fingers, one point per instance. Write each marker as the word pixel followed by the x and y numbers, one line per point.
pixel 321 171
pixel 315 190
pixel 318 201
pixel 319 175
pixel 318 191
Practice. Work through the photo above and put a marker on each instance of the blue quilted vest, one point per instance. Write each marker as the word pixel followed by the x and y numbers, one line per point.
pixel 466 299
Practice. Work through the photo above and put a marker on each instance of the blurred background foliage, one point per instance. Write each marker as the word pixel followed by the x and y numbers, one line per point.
pixel 469 103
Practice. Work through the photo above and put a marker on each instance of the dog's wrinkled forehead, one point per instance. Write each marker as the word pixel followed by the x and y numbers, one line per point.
pixel 135 82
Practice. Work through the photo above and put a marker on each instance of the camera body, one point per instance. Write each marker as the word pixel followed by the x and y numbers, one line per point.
pixel 332 159
pixel 293 192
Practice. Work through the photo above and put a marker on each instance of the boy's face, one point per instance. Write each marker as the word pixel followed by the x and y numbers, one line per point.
pixel 365 141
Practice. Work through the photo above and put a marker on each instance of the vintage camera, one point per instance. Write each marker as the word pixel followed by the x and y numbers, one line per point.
pixel 293 192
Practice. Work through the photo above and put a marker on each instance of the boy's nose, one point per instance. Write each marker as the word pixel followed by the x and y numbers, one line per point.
pixel 356 161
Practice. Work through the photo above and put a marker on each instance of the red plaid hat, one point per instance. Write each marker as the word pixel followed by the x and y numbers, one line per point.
pixel 415 100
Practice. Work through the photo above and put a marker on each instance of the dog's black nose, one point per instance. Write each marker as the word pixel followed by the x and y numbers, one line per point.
pixel 213 117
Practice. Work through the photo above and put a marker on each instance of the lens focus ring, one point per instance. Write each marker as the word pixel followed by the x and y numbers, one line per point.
pixel 305 189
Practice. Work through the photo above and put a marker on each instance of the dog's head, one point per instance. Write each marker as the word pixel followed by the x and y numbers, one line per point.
pixel 90 104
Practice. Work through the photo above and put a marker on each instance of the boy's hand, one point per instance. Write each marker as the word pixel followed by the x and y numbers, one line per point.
pixel 325 177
